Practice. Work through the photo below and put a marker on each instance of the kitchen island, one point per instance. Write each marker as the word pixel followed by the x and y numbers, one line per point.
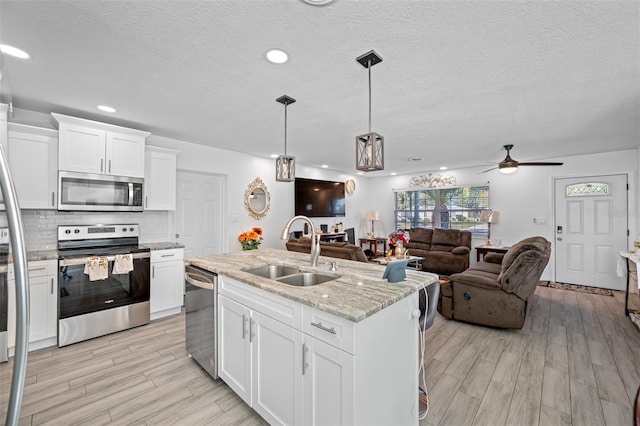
pixel 341 352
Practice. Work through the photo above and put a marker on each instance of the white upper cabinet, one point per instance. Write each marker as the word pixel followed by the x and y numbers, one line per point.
pixel 160 179
pixel 92 147
pixel 33 160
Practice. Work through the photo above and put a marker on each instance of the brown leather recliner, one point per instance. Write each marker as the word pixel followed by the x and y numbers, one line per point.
pixel 496 291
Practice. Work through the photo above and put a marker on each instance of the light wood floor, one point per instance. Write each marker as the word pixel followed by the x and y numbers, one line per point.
pixel 577 361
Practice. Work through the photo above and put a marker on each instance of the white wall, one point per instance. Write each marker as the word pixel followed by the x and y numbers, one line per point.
pixel 239 170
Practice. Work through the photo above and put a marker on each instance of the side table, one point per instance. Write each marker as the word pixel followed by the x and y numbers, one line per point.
pixel 373 244
pixel 482 250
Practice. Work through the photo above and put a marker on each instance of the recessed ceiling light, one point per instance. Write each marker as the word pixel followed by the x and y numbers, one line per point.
pixel 14 51
pixel 106 108
pixel 317 2
pixel 443 168
pixel 393 173
pixel 274 156
pixel 277 56
pixel 325 166
pixel 360 173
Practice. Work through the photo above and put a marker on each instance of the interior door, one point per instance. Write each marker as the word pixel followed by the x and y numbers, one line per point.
pixel 590 228
pixel 199 210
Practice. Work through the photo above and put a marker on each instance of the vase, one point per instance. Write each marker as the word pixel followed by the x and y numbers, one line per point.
pixel 399 250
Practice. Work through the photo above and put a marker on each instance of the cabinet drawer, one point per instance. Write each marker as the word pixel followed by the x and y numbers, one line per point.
pixel 37 268
pixel 279 308
pixel 165 255
pixel 336 331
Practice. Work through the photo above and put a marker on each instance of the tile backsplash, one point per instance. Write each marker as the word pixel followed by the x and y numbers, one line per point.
pixel 41 226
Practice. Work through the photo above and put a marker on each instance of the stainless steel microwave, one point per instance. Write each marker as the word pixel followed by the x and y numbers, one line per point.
pixel 97 192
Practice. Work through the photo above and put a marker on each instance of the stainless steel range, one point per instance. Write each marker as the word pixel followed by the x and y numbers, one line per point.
pixel 94 299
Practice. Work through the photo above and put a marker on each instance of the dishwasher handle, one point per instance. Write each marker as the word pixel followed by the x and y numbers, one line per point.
pixel 191 278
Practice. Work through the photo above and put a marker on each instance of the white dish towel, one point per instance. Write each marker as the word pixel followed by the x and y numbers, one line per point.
pixel 97 267
pixel 123 264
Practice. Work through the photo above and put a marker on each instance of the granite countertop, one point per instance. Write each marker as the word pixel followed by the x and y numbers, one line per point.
pixel 357 294
pixel 166 245
pixel 33 256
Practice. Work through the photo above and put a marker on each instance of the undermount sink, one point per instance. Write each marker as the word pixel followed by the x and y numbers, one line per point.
pixel 273 271
pixel 291 275
pixel 304 279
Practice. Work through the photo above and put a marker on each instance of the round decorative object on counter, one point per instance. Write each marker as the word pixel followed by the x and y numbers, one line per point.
pixel 350 186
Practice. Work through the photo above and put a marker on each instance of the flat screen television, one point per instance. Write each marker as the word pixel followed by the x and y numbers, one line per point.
pixel 319 198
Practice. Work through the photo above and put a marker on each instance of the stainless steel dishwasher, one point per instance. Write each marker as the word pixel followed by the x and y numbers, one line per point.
pixel 201 296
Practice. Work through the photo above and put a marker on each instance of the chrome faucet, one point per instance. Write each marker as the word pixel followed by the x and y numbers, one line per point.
pixel 315 241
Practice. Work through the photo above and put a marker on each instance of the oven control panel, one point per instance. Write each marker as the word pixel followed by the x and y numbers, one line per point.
pixel 88 232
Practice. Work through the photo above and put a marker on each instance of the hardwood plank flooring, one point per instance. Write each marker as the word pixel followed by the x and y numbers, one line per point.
pixel 575 362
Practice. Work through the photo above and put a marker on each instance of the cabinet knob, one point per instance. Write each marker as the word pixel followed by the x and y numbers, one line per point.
pixel 177 235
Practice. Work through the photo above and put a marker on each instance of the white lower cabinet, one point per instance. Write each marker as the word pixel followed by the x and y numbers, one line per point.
pixel 167 282
pixel 327 384
pixel 43 301
pixel 294 364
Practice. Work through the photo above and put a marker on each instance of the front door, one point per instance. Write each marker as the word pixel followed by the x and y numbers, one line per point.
pixel 590 228
pixel 199 213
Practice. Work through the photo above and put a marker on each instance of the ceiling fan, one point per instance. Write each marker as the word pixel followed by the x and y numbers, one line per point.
pixel 509 165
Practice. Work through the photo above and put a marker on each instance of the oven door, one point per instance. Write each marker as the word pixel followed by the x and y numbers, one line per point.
pixel 78 295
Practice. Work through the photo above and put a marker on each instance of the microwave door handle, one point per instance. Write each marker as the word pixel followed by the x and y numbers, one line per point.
pixel 130 203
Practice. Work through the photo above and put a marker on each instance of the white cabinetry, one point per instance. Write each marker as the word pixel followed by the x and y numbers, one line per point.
pixel 167 282
pixel 43 300
pixel 92 147
pixel 261 361
pixel 295 364
pixel 160 178
pixel 33 160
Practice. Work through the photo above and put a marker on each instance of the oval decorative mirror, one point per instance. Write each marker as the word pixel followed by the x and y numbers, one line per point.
pixel 256 199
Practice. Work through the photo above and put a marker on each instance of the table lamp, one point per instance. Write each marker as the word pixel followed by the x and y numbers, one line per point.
pixel 372 216
pixel 490 216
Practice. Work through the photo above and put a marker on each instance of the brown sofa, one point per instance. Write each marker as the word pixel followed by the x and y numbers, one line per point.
pixel 496 291
pixel 445 251
pixel 340 250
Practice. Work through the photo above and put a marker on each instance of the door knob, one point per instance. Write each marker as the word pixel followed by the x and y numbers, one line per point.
pixel 559 238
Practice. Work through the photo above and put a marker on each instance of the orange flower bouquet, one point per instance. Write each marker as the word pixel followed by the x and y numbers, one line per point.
pixel 250 240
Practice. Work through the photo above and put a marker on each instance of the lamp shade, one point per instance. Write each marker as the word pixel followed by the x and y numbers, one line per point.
pixel 489 216
pixel 371 215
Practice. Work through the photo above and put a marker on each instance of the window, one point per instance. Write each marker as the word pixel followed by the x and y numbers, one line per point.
pixel 446 208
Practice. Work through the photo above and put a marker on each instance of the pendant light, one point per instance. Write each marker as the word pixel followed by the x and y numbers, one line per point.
pixel 285 164
pixel 370 146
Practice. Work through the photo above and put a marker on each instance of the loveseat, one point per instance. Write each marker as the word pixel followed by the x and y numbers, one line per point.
pixel 445 251
pixel 497 291
pixel 340 250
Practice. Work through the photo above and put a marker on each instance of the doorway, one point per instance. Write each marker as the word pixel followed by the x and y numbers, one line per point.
pixel 590 228
pixel 199 212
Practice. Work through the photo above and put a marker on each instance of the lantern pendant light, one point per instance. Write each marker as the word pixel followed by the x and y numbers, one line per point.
pixel 285 164
pixel 370 146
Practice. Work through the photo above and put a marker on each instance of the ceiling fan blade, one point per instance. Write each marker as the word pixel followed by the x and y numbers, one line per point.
pixel 540 163
pixel 488 170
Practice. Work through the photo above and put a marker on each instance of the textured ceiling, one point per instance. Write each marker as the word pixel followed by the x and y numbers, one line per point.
pixel 458 79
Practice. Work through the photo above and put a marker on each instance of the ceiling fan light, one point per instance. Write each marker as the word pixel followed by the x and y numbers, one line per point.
pixel 508 169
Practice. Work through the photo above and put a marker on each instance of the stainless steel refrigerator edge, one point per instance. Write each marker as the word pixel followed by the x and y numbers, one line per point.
pixel 16 237
pixel 201 297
